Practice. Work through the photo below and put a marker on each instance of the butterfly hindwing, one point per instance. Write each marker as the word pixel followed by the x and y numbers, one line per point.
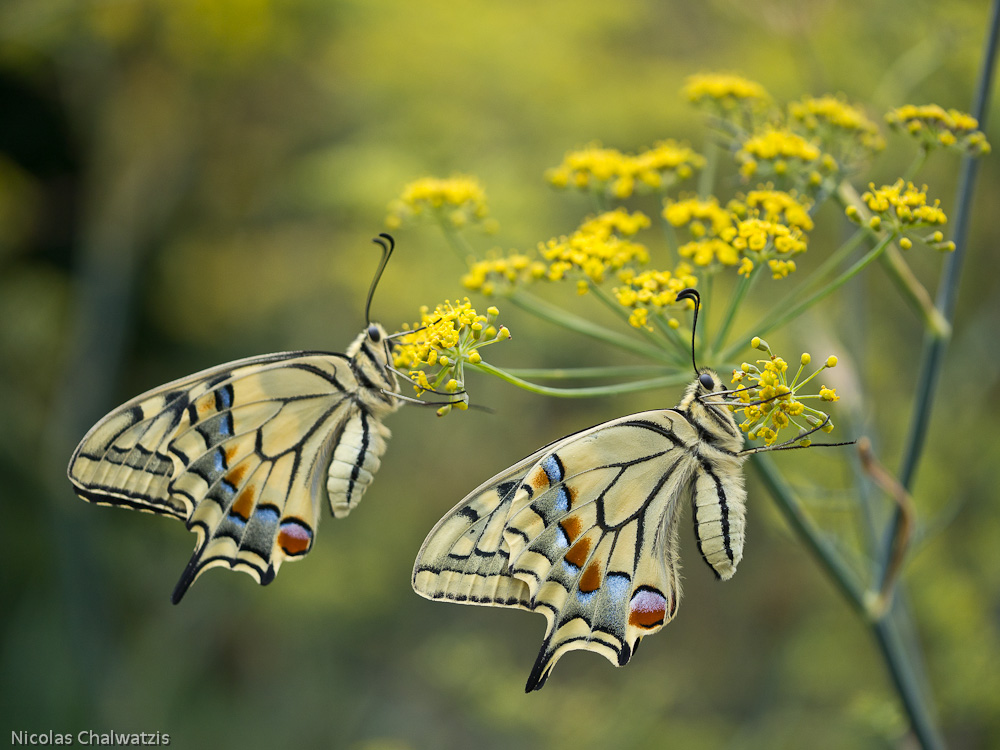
pixel 588 530
pixel 585 530
pixel 465 558
pixel 244 453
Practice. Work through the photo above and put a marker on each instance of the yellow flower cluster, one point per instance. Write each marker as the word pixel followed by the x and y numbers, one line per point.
pixel 897 209
pixel 506 271
pixel 701 217
pixel 767 225
pixel 456 202
pixel 651 291
pixel 725 92
pixel 936 126
pixel 446 338
pixel 618 174
pixel 782 153
pixel 599 245
pixel 841 127
pixel 771 403
pixel 778 205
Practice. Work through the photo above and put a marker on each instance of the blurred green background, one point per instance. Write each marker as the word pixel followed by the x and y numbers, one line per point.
pixel 186 182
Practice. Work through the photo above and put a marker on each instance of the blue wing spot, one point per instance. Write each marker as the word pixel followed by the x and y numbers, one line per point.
pixel 561 539
pixel 227 487
pixel 553 468
pixel 586 598
pixel 224 398
pixel 220 461
pixel 618 585
pixel 570 567
pixel 226 424
pixel 267 514
pixel 562 500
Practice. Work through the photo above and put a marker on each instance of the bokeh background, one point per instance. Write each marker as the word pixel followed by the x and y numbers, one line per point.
pixel 185 182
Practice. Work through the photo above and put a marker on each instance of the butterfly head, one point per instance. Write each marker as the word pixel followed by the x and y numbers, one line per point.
pixel 706 390
pixel 705 404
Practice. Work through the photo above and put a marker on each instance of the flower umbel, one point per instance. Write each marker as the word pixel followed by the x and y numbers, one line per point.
pixel 843 130
pixel 609 171
pixel 441 343
pixel 652 291
pixel 455 202
pixel 498 272
pixel 937 127
pixel 729 97
pixel 599 245
pixel 776 153
pixel 770 402
pixel 898 209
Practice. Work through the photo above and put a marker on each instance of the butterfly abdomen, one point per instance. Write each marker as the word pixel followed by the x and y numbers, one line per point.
pixel 719 501
pixel 356 458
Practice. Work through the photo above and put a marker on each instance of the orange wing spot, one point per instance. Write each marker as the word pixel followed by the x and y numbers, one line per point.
pixel 205 405
pixel 578 553
pixel 591 578
pixel 647 609
pixel 243 507
pixel 236 475
pixel 571 491
pixel 230 454
pixel 571 527
pixel 294 537
pixel 538 479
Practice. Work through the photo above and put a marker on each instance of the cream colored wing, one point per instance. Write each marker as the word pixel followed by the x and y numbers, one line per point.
pixel 241 453
pixel 584 531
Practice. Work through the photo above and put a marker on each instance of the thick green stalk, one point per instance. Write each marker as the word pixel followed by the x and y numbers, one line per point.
pixel 824 552
pixel 885 628
pixel 934 347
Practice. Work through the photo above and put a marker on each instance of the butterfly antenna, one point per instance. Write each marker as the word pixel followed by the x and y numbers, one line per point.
pixel 387 243
pixel 692 295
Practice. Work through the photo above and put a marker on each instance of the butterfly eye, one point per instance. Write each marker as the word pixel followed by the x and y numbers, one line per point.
pixel 706 381
pixel 373 333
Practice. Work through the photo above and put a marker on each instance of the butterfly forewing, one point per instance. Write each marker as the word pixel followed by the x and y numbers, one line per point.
pixel 244 453
pixel 589 529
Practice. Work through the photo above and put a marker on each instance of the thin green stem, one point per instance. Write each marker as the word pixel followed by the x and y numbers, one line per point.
pixel 670 235
pixel 899 271
pixel 459 245
pixel 827 267
pixel 706 179
pixel 766 325
pixel 915 166
pixel 742 287
pixel 588 392
pixel 581 373
pixel 668 333
pixel 559 316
